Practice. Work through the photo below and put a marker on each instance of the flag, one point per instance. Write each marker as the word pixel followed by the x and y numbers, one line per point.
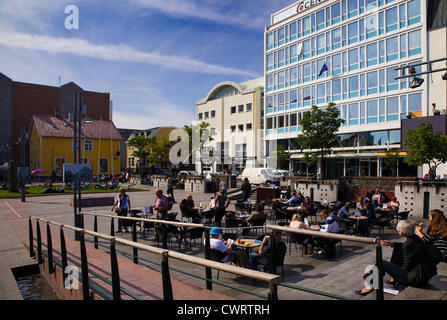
pixel 323 69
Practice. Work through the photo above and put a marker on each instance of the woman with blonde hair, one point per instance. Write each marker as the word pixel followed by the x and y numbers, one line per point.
pixel 294 237
pixel 436 236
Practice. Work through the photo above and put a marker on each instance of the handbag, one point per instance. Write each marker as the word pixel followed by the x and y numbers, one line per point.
pixel 118 210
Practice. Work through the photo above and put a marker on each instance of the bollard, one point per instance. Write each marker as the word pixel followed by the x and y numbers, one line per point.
pixel 39 243
pixel 134 239
pixel 64 259
pixel 379 291
pixel 166 277
pixel 115 272
pixel 95 228
pixel 50 249
pixel 84 266
pixel 31 244
pixel 208 273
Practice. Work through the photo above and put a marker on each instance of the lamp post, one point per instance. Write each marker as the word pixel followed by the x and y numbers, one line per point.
pixel 77 115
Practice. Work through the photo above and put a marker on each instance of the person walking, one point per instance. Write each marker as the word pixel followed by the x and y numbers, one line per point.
pixel 222 203
pixel 246 189
pixel 170 189
pixel 122 205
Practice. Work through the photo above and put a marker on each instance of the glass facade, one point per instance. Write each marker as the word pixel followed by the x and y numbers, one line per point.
pixel 346 52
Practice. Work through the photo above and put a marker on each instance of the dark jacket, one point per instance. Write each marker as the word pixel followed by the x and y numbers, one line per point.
pixel 417 261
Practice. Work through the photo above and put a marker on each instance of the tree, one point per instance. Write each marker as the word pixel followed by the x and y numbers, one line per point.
pixel 425 146
pixel 142 148
pixel 392 160
pixel 319 128
pixel 281 156
pixel 199 135
pixel 159 153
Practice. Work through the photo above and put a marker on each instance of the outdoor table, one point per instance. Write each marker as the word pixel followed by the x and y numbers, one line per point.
pixel 247 244
pixel 250 205
pixel 299 208
pixel 357 220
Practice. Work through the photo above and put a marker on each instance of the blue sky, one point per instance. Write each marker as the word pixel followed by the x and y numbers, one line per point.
pixel 157 58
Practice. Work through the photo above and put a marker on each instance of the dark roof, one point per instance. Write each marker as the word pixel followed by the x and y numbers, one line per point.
pixel 53 126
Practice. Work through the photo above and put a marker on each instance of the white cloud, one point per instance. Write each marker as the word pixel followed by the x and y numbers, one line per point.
pixel 214 11
pixel 121 52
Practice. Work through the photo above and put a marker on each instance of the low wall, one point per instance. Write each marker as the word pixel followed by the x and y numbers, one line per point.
pixel 420 199
pixel 95 202
pixel 317 190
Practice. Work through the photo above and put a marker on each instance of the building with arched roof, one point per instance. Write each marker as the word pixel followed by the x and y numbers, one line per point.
pixel 235 111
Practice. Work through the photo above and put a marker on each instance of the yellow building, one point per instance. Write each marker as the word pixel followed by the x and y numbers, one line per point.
pixel 134 162
pixel 51 144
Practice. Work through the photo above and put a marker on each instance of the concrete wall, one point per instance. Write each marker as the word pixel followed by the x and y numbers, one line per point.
pixel 420 199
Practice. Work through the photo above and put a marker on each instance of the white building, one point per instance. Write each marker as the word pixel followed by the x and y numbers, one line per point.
pixel 361 42
pixel 235 111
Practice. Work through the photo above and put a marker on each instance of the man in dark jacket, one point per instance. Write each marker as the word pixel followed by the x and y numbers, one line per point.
pixel 411 263
pixel 246 190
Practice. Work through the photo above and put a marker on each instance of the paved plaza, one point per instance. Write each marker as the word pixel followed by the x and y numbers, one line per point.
pixel 341 275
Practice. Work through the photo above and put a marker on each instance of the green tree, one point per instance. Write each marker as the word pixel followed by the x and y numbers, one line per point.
pixel 425 146
pixel 199 135
pixel 142 148
pixel 159 153
pixel 319 128
pixel 281 156
pixel 392 160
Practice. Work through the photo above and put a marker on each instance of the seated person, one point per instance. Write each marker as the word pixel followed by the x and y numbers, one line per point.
pixel 343 213
pixel 330 225
pixel 436 236
pixel 393 204
pixel 257 216
pixel 298 224
pixel 376 198
pixel 210 210
pixel 261 258
pixel 308 207
pixel 411 263
pixel 187 211
pixel 368 211
pixel 295 200
pixel 368 197
pixel 280 210
pixel 359 205
pixel 224 250
pixel 190 201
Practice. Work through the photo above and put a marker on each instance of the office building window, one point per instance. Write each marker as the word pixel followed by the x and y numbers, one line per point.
pixel 415 102
pixel 200 116
pixel 371 26
pixel 372 82
pixel 352 8
pixel 371 54
pixel 293 31
pixel 248 107
pixel 353 110
pixel 336 90
pixel 336 64
pixel 392 48
pixel 321 23
pixel 213 113
pixel 233 109
pixel 392 105
pixel 335 9
pixel 248 127
pixel 336 38
pixel 353 59
pixel 321 43
pixel 414 12
pixel 391 19
pixel 306 25
pixel 321 93
pixel 392 83
pixel 353 31
pixel 371 111
pixel 403 45
pixel 414 43
pixel 353 87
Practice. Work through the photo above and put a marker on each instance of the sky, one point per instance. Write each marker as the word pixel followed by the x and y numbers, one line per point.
pixel 156 58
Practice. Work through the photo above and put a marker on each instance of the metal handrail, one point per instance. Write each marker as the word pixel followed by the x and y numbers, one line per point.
pixel 272 280
pixel 336 236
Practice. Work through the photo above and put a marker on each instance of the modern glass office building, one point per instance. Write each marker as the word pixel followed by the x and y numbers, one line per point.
pixel 346 52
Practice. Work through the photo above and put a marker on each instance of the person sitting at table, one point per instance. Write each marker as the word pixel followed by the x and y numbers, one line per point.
pixel 410 264
pixel 190 201
pixel 343 213
pixel 368 197
pixel 295 200
pixel 368 211
pixel 330 225
pixel 300 238
pixel 254 219
pixel 375 198
pixel 224 250
pixel 308 207
pixel 393 205
pixel 210 211
pixel 359 205
pixel 280 210
pixel 436 236
pixel 364 224
pixel 189 212
pixel 261 258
